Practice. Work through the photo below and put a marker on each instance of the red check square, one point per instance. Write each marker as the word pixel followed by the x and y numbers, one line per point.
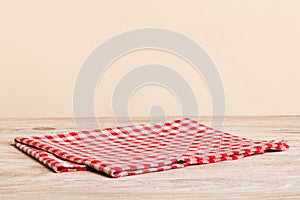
pixel 143 148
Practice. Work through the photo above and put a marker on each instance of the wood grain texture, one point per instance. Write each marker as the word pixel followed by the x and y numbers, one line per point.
pixel 273 175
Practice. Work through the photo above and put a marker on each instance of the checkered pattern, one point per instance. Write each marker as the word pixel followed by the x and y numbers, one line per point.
pixel 143 148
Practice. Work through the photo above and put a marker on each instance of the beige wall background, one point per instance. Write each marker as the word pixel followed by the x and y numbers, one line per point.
pixel 254 44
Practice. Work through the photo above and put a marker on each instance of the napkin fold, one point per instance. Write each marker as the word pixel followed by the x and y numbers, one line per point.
pixel 143 148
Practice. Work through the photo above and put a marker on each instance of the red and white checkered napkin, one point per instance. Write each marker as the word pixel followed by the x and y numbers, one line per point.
pixel 143 148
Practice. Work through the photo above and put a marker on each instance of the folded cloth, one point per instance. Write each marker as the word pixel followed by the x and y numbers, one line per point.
pixel 142 148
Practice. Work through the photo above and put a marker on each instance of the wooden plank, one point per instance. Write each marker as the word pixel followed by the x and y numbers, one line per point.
pixel 270 176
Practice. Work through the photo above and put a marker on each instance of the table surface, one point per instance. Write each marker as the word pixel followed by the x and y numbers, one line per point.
pixel 274 175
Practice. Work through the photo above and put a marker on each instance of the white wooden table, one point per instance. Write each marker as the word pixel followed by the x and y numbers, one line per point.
pixel 275 175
